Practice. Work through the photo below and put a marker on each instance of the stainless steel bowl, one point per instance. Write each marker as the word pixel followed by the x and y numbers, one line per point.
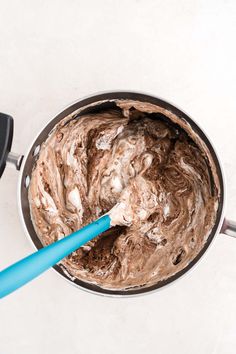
pixel 96 102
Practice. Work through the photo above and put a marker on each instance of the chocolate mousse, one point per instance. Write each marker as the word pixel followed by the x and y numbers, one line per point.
pixel 148 170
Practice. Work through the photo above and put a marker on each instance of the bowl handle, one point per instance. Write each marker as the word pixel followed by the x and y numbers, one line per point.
pixel 229 228
pixel 6 136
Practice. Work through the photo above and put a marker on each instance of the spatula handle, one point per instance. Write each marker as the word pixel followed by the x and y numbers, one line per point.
pixel 33 265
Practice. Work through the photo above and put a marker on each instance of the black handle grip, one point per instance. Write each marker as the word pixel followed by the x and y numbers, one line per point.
pixel 6 135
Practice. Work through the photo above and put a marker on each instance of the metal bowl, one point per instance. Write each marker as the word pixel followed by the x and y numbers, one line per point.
pixel 98 101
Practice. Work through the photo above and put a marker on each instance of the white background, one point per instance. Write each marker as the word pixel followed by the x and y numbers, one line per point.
pixel 54 52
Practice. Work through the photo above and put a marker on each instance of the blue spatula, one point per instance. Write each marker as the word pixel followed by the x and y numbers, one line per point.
pixel 33 265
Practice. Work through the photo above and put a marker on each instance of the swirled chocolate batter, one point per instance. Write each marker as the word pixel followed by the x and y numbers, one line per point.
pixel 154 175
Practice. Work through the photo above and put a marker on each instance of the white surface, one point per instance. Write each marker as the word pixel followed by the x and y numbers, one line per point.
pixel 53 52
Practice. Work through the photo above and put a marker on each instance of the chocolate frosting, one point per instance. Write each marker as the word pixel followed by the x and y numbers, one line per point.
pixel 146 168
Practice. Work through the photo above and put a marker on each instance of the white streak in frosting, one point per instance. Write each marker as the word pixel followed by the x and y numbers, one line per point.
pixel 104 142
pixel 74 198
